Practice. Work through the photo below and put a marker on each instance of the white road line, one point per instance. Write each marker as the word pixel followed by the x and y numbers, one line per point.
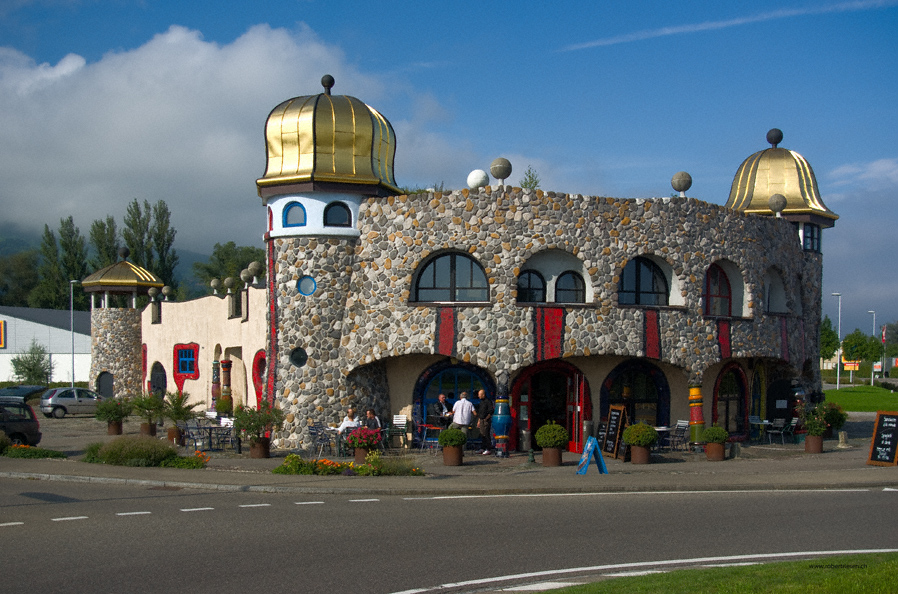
pixel 255 505
pixel 68 519
pixel 642 564
pixel 193 509
pixel 889 489
pixel 628 493
pixel 12 524
pixel 309 502
pixel 140 513
pixel 362 500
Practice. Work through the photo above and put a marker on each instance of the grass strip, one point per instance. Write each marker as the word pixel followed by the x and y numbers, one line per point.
pixel 863 398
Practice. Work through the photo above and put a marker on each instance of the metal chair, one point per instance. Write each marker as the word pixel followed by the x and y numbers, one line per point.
pixel 320 439
pixel 780 428
pixel 397 428
pixel 679 436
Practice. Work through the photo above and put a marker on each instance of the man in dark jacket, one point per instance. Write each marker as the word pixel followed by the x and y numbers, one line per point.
pixel 485 420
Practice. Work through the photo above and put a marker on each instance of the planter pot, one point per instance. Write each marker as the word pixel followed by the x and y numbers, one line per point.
pixel 551 456
pixel 715 452
pixel 175 436
pixel 452 455
pixel 360 454
pixel 813 444
pixel 114 428
pixel 260 448
pixel 640 454
pixel 148 429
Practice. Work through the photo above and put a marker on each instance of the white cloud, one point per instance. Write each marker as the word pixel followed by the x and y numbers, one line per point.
pixel 879 174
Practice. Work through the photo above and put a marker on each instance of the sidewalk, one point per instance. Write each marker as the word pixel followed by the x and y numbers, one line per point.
pixel 756 467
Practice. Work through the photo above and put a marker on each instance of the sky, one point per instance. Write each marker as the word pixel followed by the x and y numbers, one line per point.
pixel 104 102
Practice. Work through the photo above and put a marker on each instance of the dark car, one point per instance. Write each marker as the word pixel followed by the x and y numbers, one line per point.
pixel 18 421
pixel 58 402
pixel 21 392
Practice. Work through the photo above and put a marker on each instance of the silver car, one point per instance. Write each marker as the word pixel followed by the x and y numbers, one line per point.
pixel 57 402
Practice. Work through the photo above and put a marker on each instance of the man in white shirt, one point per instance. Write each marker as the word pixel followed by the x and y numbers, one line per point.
pixel 462 413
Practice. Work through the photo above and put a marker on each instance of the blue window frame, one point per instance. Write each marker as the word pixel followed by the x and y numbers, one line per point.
pixel 294 215
pixel 186 361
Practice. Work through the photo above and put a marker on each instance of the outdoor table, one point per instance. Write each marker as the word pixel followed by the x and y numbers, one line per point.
pixel 762 426
pixel 663 432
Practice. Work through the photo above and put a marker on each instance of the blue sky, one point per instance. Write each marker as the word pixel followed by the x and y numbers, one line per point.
pixel 104 102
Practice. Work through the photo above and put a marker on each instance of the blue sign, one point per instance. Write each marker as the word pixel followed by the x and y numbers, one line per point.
pixel 591 450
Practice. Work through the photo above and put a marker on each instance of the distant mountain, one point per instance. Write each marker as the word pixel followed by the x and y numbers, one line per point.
pixel 15 239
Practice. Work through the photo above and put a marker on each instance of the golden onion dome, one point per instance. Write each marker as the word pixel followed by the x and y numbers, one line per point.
pixel 328 143
pixel 779 171
pixel 121 277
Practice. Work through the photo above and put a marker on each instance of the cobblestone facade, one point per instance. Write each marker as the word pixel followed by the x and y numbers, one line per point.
pixel 116 349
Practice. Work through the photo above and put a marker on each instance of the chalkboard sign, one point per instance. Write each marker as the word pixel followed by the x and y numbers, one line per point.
pixel 884 441
pixel 617 418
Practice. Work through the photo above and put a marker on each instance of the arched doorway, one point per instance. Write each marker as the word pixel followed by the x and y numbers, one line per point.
pixel 449 378
pixel 106 384
pixel 259 376
pixel 551 391
pixel 730 402
pixel 158 379
pixel 642 388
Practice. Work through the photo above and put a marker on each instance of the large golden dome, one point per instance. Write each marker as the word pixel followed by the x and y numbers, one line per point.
pixel 779 171
pixel 328 143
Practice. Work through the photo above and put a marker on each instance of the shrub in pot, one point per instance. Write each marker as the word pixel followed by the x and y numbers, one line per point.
pixel 834 416
pixel 224 407
pixel 715 438
pixel 149 408
pixel 254 423
pixel 363 440
pixel 453 442
pixel 640 437
pixel 552 438
pixel 176 408
pixel 813 418
pixel 114 411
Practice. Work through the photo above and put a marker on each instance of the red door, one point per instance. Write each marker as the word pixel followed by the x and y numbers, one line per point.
pixel 553 390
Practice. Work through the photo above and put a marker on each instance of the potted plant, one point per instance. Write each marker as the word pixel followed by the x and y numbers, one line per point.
pixel 640 437
pixel 224 407
pixel 256 422
pixel 363 440
pixel 715 438
pixel 149 408
pixel 453 442
pixel 552 438
pixel 835 417
pixel 813 418
pixel 114 411
pixel 176 408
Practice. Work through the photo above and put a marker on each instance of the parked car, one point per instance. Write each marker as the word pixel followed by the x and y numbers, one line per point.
pixel 21 392
pixel 18 421
pixel 58 402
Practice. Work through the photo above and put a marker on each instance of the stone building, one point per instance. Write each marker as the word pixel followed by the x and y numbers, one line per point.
pixel 564 303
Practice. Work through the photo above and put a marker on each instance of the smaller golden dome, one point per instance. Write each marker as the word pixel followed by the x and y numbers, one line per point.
pixel 330 143
pixel 779 171
pixel 121 277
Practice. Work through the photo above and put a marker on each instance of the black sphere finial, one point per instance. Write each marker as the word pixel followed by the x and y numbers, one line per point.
pixel 123 253
pixel 775 136
pixel 327 81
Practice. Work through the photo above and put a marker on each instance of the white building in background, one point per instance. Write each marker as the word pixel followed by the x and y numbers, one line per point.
pixel 52 329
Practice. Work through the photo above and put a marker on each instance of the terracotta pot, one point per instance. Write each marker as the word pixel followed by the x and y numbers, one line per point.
pixel 148 429
pixel 360 454
pixel 175 436
pixel 715 452
pixel 640 454
pixel 813 444
pixel 114 428
pixel 551 456
pixel 452 455
pixel 260 448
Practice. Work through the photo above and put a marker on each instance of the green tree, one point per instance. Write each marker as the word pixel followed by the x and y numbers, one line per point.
pixel 104 238
pixel 855 346
pixel 531 179
pixel 18 277
pixel 136 234
pixel 52 288
pixel 33 366
pixel 829 339
pixel 226 260
pixel 73 260
pixel 163 238
pixel 892 340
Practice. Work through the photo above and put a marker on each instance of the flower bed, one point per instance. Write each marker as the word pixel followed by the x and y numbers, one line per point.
pixel 374 466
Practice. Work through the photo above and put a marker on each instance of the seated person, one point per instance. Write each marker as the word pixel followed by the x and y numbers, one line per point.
pixel 440 412
pixel 371 421
pixel 349 422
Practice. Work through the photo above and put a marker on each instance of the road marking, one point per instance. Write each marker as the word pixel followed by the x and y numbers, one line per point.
pixel 140 513
pixel 634 573
pixel 542 586
pixel 68 519
pixel 362 500
pixel 12 524
pixel 889 489
pixel 642 564
pixel 193 509
pixel 255 505
pixel 309 502
pixel 628 493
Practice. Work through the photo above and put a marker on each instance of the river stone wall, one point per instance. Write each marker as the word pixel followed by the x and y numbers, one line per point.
pixel 116 341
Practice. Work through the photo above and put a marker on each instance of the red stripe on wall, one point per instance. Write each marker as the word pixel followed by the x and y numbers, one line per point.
pixel 651 333
pixel 723 339
pixel 445 331
pixel 548 332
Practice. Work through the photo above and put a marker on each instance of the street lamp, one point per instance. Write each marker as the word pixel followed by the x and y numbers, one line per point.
pixel 871 311
pixel 72 284
pixel 839 331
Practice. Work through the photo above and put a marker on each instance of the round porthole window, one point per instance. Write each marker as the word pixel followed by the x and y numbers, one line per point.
pixel 306 285
pixel 298 356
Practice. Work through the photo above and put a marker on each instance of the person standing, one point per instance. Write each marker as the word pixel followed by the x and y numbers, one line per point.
pixel 485 411
pixel 462 413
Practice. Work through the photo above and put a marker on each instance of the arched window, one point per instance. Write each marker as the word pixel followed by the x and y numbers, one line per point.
pixel 451 277
pixel 531 287
pixel 717 297
pixel 337 214
pixel 294 215
pixel 642 283
pixel 569 288
pixel 774 293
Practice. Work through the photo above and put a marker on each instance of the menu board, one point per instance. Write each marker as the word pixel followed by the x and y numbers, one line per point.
pixel 884 441
pixel 611 441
